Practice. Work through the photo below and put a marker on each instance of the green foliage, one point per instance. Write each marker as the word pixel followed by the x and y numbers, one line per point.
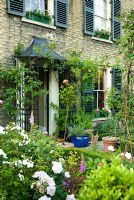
pixel 39 13
pixel 15 80
pixel 106 127
pixel 102 34
pixel 100 113
pixel 109 181
pixel 82 122
pixel 19 49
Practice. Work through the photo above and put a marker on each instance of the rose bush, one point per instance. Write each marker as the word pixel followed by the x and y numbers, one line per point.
pixel 28 156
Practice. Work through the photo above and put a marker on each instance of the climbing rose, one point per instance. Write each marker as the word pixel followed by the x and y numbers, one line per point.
pixel 1 102
pixel 31 119
pixel 65 81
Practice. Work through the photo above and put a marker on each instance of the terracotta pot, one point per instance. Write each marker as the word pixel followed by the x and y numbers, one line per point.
pixel 109 141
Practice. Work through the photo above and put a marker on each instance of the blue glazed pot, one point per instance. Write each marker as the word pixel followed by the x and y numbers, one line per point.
pixel 80 141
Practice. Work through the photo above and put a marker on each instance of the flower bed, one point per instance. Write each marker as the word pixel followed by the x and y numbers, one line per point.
pixel 33 166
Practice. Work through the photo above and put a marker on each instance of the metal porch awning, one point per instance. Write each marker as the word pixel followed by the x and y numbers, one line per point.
pixel 40 49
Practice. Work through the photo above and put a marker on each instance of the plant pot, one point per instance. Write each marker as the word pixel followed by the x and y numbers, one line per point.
pixel 109 141
pixel 80 141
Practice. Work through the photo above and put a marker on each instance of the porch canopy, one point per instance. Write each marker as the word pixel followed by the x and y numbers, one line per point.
pixel 39 50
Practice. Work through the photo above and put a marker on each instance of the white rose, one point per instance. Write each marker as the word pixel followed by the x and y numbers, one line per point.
pixel 44 198
pixel 51 190
pixel 67 175
pixel 41 175
pixel 50 181
pixel 57 167
pixel 128 155
pixel 70 197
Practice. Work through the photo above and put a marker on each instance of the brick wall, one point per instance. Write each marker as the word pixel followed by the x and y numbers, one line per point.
pixel 14 31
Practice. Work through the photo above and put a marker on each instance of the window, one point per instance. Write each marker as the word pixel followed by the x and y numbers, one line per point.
pixel 98 91
pixel 100 14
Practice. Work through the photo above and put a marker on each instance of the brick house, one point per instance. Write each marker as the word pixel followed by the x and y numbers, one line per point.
pixel 75 25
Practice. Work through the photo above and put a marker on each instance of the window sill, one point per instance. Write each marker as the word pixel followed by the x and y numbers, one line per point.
pixel 101 40
pixel 37 23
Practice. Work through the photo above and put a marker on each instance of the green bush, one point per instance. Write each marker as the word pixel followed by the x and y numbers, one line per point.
pixel 109 182
pixel 21 155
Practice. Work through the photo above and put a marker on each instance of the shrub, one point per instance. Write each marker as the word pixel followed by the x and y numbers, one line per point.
pixel 21 155
pixel 109 181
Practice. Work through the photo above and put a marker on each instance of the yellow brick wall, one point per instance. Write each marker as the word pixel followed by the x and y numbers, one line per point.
pixel 14 31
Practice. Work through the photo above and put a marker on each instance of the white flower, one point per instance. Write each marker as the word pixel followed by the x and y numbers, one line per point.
pixel 2 130
pixel 128 155
pixel 51 151
pixel 31 119
pixel 51 190
pixel 1 102
pixel 57 167
pixel 70 197
pixel 40 174
pixel 21 177
pixel 2 153
pixel 30 164
pixel 24 162
pixel 50 181
pixel 67 175
pixel 44 198
pixel 111 148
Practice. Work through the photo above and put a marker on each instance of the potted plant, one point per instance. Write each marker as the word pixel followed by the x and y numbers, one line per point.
pixel 110 140
pixel 40 16
pixel 79 132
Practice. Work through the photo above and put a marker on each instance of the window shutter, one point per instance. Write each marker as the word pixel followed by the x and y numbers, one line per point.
pixel 89 16
pixel 116 24
pixel 16 7
pixel 61 13
pixel 117 79
pixel 87 96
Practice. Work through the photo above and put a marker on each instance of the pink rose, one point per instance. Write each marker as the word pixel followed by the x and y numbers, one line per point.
pixel 1 102
pixel 65 81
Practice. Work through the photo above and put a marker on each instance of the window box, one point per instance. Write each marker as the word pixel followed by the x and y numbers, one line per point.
pixel 102 34
pixel 39 16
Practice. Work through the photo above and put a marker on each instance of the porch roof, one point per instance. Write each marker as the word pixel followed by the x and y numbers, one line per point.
pixel 39 48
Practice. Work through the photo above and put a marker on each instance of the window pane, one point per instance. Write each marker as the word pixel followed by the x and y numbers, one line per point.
pixel 35 5
pixel 101 100
pixel 27 5
pixel 100 23
pixel 100 8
